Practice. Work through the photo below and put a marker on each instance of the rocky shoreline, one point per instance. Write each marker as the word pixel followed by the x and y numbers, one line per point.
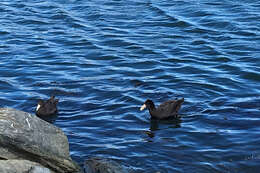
pixel 30 144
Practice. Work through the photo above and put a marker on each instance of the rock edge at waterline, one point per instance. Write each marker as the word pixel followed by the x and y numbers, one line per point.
pixel 40 144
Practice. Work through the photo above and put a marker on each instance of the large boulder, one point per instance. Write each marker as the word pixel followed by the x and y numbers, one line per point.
pixel 15 166
pixel 26 137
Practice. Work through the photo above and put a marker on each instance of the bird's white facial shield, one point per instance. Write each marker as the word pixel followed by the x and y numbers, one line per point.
pixel 143 107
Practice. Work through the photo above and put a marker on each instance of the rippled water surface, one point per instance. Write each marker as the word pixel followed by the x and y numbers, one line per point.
pixel 103 59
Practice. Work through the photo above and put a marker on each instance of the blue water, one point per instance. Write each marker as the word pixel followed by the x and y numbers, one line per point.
pixel 103 59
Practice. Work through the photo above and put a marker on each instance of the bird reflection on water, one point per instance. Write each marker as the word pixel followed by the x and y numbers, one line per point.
pixel 154 125
pixel 174 123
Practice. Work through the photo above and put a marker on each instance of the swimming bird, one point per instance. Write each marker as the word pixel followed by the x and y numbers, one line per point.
pixel 47 108
pixel 166 110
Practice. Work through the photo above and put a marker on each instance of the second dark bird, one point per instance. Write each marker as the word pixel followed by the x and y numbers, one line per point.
pixel 166 110
pixel 47 108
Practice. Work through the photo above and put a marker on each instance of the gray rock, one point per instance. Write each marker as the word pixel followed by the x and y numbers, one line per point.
pixel 102 165
pixel 39 169
pixel 15 166
pixel 27 137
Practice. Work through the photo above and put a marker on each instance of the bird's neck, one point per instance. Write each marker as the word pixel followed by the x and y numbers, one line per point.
pixel 151 107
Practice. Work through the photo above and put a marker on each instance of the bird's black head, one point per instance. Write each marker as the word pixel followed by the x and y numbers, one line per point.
pixel 148 104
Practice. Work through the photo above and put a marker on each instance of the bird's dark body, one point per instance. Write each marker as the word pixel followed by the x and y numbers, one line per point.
pixel 47 108
pixel 166 110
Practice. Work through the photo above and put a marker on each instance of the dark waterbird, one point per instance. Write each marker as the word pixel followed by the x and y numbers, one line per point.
pixel 166 110
pixel 47 108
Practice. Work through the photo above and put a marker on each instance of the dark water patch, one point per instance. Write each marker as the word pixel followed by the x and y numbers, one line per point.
pixel 181 24
pixel 247 103
pixel 3 33
pixel 198 42
pixel 252 76
pixel 31 22
pixel 245 33
pixel 223 59
pixel 202 30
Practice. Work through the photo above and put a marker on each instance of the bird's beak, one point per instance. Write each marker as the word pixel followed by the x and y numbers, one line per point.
pixel 142 107
pixel 38 107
